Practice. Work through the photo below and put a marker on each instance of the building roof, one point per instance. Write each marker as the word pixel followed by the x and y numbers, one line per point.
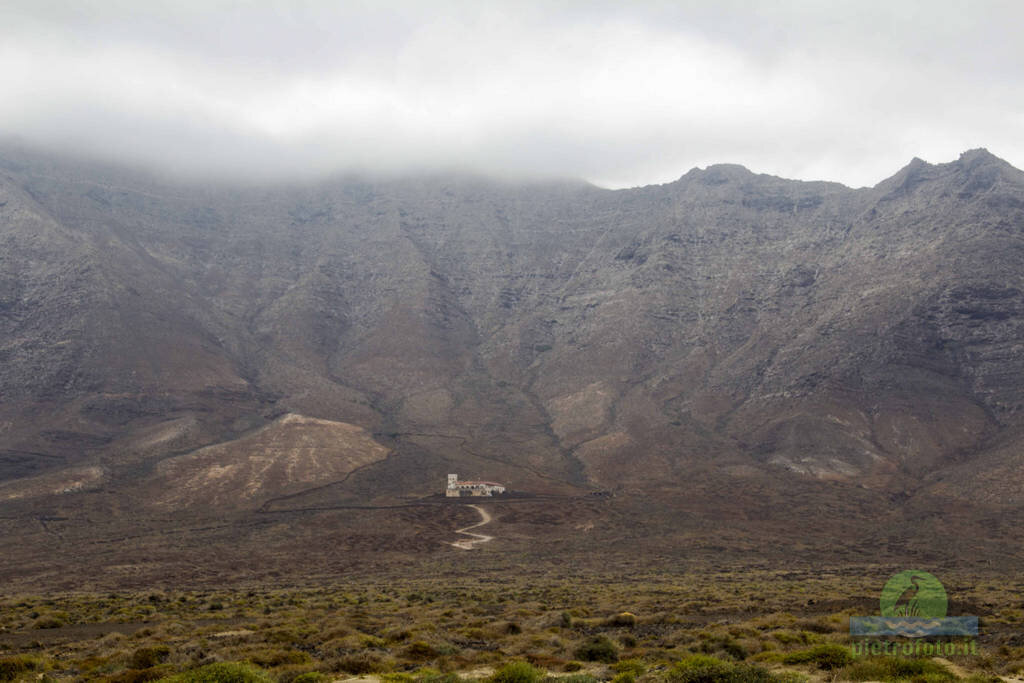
pixel 486 483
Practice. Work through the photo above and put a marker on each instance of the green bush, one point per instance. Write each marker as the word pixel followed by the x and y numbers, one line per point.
pixel 630 666
pixel 437 677
pixel 827 656
pixel 222 672
pixel 705 669
pixel 517 672
pixel 598 649
pixel 575 678
pixel 397 677
pixel 896 669
pixel 309 677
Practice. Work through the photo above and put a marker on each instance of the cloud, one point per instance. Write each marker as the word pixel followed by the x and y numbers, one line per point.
pixel 619 93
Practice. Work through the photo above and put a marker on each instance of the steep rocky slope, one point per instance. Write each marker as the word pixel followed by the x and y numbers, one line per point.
pixel 560 337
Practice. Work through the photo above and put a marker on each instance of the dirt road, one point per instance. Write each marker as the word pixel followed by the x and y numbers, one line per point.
pixel 468 544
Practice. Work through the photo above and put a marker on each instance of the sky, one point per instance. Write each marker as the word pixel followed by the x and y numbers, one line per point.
pixel 617 93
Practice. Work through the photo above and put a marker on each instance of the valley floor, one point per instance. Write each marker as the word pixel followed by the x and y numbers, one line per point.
pixel 578 624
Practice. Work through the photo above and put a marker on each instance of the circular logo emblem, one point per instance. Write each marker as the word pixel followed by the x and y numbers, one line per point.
pixel 914 594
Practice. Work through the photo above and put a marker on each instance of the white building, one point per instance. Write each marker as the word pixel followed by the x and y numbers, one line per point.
pixel 458 488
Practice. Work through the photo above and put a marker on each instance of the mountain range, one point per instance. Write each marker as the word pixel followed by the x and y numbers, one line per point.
pixel 731 363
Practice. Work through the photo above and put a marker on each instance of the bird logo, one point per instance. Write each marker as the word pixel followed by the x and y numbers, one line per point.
pixel 914 594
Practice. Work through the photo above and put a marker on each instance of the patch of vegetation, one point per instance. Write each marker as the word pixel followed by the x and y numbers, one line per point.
pixel 358 664
pixel 517 672
pixel 308 677
pixel 420 650
pixel 12 667
pixel 222 672
pixel 827 656
pixel 598 649
pixel 436 677
pixel 633 667
pixel 48 622
pixel 148 657
pixel 574 678
pixel 706 669
pixel 892 669
pixel 368 627
pixel 276 658
pixel 622 619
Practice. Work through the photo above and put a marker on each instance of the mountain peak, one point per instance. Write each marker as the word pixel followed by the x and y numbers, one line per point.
pixel 979 155
pixel 908 177
pixel 974 159
pixel 977 165
pixel 717 174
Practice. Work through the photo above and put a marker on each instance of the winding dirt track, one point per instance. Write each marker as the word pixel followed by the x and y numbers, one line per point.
pixel 468 544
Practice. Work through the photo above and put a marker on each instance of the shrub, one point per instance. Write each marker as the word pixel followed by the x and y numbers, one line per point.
pixel 222 672
pixel 309 677
pixel 275 658
pixel 705 669
pixel 896 669
pixel 358 664
pixel 436 677
pixel 790 637
pixel 48 622
pixel 572 666
pixel 819 625
pixel 630 666
pixel 577 678
pixel 623 619
pixel 137 676
pixel 395 635
pixel 372 641
pixel 734 649
pixel 397 677
pixel 517 672
pixel 11 667
pixel 147 657
pixel 827 656
pixel 420 650
pixel 598 649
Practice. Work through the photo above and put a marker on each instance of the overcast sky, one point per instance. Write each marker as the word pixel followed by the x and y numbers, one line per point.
pixel 620 93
